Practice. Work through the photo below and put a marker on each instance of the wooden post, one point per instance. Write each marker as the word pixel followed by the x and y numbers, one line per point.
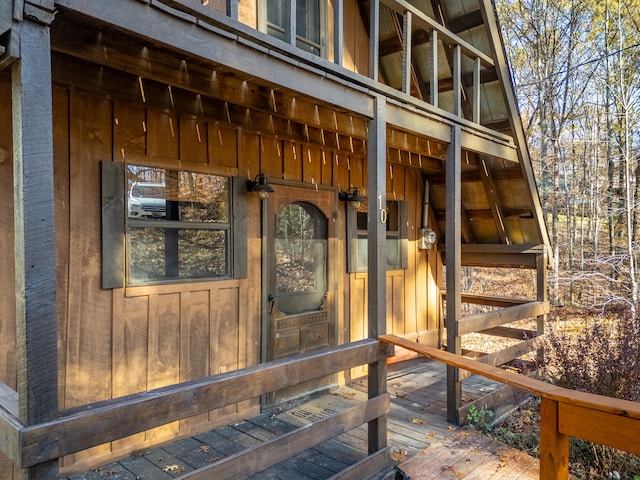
pixel 457 80
pixel 453 262
pixel 406 53
pixel 338 32
pixel 433 97
pixel 554 446
pixel 476 91
pixel 34 229
pixel 541 285
pixel 374 44
pixel 377 292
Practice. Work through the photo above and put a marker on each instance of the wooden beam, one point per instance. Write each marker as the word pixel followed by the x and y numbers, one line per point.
pixel 103 422
pixel 510 332
pixel 238 51
pixel 489 300
pixel 139 60
pixel 495 203
pixel 491 22
pixel 368 467
pixel 486 146
pixel 483 321
pixel 453 234
pixel 597 426
pixel 255 459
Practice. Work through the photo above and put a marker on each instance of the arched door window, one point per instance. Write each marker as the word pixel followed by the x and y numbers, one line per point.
pixel 300 258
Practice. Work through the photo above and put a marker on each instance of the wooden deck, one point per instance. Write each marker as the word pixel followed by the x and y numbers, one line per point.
pixel 416 422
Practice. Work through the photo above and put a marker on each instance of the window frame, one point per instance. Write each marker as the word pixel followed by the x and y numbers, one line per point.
pixel 304 43
pixel 116 224
pixel 354 235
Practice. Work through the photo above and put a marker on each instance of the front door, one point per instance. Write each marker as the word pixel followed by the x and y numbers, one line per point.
pixel 300 256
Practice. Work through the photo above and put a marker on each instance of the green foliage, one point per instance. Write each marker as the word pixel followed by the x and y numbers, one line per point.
pixel 479 419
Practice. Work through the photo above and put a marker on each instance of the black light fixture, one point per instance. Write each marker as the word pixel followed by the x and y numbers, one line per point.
pixel 261 186
pixel 352 196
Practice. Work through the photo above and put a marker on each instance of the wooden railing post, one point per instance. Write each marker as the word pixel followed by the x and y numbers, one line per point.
pixel 554 446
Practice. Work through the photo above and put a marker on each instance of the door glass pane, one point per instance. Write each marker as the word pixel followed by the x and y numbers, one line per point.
pixel 300 258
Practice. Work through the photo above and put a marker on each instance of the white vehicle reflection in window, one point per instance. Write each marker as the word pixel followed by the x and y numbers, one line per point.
pixel 147 200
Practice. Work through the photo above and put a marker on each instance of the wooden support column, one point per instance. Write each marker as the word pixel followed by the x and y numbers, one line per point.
pixel 453 261
pixel 377 293
pixel 374 44
pixel 554 446
pixel 338 32
pixel 34 230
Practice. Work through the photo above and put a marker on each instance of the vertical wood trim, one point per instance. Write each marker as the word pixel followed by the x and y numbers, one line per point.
pixel 338 32
pixel 554 446
pixel 232 9
pixel 34 230
pixel 113 214
pixel 403 232
pixel 239 227
pixel 457 80
pixel 476 91
pixel 377 179
pixel 374 32
pixel 406 52
pixel 433 98
pixel 290 19
pixel 453 262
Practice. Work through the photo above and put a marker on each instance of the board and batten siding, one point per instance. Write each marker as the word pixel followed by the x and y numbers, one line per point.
pixel 123 340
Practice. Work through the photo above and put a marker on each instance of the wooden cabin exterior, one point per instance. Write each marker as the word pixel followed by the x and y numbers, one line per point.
pixel 404 106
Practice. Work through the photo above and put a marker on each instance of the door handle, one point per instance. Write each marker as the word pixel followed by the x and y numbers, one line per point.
pixel 272 302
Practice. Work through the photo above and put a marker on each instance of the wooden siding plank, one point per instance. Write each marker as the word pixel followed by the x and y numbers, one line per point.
pixel 112 419
pixel 163 358
pixel 225 338
pixel 258 458
pixel 130 344
pixel 89 329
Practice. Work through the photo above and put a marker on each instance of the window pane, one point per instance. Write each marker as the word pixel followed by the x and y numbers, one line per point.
pixel 160 194
pixel 275 12
pixel 308 20
pixel 157 254
pixel 301 258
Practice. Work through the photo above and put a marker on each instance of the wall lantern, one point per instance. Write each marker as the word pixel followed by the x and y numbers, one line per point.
pixel 261 186
pixel 352 196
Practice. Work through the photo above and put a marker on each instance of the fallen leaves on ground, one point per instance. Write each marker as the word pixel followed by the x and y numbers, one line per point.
pixel 399 456
pixel 173 468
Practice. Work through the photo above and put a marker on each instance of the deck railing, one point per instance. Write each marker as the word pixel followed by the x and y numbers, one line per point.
pixel 103 422
pixel 564 413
